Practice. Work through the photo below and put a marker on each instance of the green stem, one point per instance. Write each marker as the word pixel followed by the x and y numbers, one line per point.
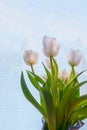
pixel 53 94
pixel 53 82
pixel 72 72
pixel 32 69
pixel 36 79
pixel 52 75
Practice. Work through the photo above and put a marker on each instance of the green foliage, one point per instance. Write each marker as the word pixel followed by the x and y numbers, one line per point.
pixel 29 96
pixel 60 102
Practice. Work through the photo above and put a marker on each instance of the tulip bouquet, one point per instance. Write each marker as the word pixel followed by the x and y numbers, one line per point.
pixel 61 104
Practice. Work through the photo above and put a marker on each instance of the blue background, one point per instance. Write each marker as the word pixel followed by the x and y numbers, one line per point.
pixel 22 26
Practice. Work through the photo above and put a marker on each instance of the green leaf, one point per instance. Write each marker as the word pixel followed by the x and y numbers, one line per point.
pixel 38 78
pixel 49 77
pixel 60 88
pixel 73 74
pixel 42 102
pixel 79 102
pixel 79 114
pixel 55 82
pixel 47 72
pixel 72 83
pixel 55 67
pixel 64 104
pixel 50 109
pixel 29 96
pixel 74 79
pixel 33 80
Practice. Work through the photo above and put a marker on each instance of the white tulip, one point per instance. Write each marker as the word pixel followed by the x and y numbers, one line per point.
pixel 30 57
pixel 74 57
pixel 63 75
pixel 68 74
pixel 50 46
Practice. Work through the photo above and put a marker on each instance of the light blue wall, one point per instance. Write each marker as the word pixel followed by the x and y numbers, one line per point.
pixel 23 23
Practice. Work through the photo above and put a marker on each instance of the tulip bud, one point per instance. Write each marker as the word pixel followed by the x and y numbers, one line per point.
pixel 69 73
pixel 63 75
pixel 74 57
pixel 30 57
pixel 50 46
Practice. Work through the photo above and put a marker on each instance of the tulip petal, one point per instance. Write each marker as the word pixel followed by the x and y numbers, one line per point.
pixel 74 57
pixel 50 46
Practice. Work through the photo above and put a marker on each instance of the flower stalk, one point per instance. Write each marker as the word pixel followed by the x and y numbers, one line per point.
pixel 52 71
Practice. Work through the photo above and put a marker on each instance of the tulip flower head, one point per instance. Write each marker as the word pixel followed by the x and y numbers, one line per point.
pixel 74 57
pixel 30 57
pixel 63 75
pixel 50 46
